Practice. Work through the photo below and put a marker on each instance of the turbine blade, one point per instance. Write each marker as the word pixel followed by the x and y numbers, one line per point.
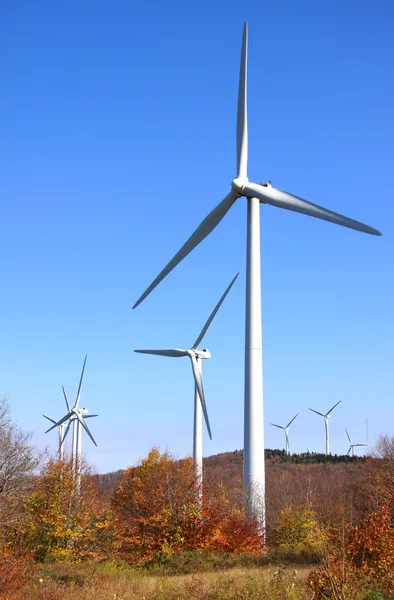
pixel 348 436
pixel 200 389
pixel 288 425
pixel 331 409
pixel 317 412
pixel 67 430
pixel 60 422
pixel 173 352
pixel 359 444
pixel 280 426
pixel 89 416
pixel 49 419
pixel 348 452
pixel 80 383
pixel 204 229
pixel 65 397
pixel 242 116
pixel 213 314
pixel 270 195
pixel 82 421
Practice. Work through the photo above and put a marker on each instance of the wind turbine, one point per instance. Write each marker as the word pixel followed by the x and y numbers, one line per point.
pixel 286 429
pixel 196 356
pixel 326 424
pixel 76 416
pixel 352 446
pixel 254 468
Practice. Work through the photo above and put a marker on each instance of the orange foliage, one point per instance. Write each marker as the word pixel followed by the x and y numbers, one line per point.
pixel 160 512
pixel 15 571
pixel 358 557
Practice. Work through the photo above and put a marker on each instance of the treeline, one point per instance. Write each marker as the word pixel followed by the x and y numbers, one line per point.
pixel 306 458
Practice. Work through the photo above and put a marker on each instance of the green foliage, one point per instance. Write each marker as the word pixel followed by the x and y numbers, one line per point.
pixel 306 458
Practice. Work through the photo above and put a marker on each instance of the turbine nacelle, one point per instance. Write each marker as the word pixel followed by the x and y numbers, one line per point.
pixel 199 353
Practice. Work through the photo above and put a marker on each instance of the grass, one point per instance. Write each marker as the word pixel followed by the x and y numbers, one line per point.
pixel 92 581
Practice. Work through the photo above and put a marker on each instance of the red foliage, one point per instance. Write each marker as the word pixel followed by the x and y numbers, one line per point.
pixel 16 570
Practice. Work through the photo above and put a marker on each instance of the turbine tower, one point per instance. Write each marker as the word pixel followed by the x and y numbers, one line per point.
pixel 352 446
pixel 76 416
pixel 326 424
pixel 286 429
pixel 196 356
pixel 254 468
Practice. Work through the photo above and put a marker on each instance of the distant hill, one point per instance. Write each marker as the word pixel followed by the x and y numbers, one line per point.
pixel 314 477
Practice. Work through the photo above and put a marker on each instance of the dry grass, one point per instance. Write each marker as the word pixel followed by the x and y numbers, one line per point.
pixel 107 582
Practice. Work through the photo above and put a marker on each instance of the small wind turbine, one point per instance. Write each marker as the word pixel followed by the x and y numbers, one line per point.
pixel 196 357
pixel 352 446
pixel 254 466
pixel 76 416
pixel 326 424
pixel 286 429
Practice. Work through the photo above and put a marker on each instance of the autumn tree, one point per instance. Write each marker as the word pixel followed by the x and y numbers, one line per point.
pixel 157 506
pixel 160 511
pixel 63 522
pixel 18 460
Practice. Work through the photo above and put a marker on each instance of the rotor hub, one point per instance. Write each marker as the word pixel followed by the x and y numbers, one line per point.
pixel 238 185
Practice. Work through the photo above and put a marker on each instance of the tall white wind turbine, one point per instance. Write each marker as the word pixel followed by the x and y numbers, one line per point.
pixel 352 446
pixel 76 416
pixel 326 424
pixel 196 356
pixel 286 430
pixel 254 470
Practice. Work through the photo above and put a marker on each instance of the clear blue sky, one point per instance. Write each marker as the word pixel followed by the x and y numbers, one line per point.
pixel 117 138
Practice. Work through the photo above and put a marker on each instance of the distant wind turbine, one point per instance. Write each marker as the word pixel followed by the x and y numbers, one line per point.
pixel 254 466
pixel 76 416
pixel 326 424
pixel 352 446
pixel 286 430
pixel 196 356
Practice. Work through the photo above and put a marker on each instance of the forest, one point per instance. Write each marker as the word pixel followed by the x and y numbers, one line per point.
pixel 150 531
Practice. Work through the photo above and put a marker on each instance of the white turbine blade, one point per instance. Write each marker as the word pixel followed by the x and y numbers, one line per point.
pixel 60 422
pixel 200 389
pixel 242 116
pixel 348 452
pixel 89 416
pixel 173 352
pixel 331 409
pixel 317 412
pixel 348 436
pixel 86 428
pixel 288 425
pixel 204 229
pixel 359 444
pixel 213 314
pixel 65 397
pixel 270 195
pixel 80 383
pixel 49 419
pixel 280 426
